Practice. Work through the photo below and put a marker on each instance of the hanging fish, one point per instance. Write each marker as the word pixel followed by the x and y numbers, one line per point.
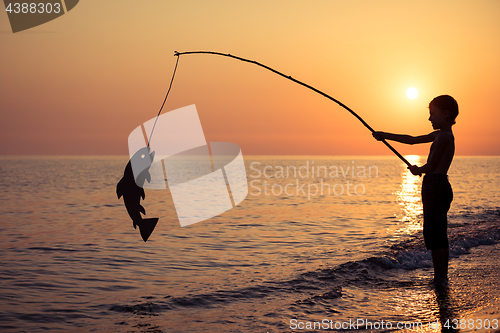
pixel 131 188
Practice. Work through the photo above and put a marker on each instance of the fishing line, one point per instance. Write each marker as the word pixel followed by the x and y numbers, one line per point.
pixel 178 54
pixel 168 91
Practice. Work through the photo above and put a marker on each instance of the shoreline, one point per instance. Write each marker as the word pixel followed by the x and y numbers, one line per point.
pixel 484 262
pixel 472 294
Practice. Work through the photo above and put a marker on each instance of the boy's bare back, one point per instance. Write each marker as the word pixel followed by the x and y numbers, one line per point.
pixel 441 152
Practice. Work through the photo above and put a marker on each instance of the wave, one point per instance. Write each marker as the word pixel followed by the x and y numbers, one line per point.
pixel 378 271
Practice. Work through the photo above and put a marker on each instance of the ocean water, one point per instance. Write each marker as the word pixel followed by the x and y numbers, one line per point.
pixel 317 238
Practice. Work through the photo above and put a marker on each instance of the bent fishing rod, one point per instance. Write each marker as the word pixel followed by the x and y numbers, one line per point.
pixel 178 54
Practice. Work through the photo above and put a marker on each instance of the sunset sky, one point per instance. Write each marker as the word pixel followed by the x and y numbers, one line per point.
pixel 81 83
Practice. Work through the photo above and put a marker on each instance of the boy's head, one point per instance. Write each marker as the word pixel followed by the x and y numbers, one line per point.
pixel 446 103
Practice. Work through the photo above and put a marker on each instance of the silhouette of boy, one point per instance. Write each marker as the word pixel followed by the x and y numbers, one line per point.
pixel 436 190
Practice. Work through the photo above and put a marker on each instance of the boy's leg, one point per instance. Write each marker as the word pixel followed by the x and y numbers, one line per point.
pixel 437 196
pixel 440 259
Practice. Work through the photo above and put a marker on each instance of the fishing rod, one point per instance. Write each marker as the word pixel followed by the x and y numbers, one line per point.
pixel 178 54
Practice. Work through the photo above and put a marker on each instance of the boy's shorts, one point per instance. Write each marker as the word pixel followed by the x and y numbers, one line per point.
pixel 437 196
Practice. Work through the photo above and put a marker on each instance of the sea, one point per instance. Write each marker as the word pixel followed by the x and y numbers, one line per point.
pixel 320 243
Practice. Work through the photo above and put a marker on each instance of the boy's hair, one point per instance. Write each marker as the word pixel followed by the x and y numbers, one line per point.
pixel 446 102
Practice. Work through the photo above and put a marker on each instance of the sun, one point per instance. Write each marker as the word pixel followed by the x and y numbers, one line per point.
pixel 412 93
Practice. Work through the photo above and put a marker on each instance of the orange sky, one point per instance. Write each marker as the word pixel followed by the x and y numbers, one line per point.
pixel 80 84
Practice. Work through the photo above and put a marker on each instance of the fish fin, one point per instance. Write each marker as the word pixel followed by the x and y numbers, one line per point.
pixel 134 224
pixel 119 189
pixel 142 210
pixel 146 227
pixel 143 194
pixel 148 177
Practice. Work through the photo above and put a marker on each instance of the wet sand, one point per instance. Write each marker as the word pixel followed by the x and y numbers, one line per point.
pixel 478 273
pixel 472 296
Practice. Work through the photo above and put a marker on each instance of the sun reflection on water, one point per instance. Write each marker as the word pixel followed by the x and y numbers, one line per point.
pixel 409 199
pixel 416 303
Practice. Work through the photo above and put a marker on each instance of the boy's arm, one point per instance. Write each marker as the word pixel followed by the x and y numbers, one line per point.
pixel 408 139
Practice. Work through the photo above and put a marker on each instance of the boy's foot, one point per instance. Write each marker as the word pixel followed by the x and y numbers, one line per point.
pixel 440 282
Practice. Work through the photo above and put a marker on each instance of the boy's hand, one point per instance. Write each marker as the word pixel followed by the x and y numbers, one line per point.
pixel 378 135
pixel 415 170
